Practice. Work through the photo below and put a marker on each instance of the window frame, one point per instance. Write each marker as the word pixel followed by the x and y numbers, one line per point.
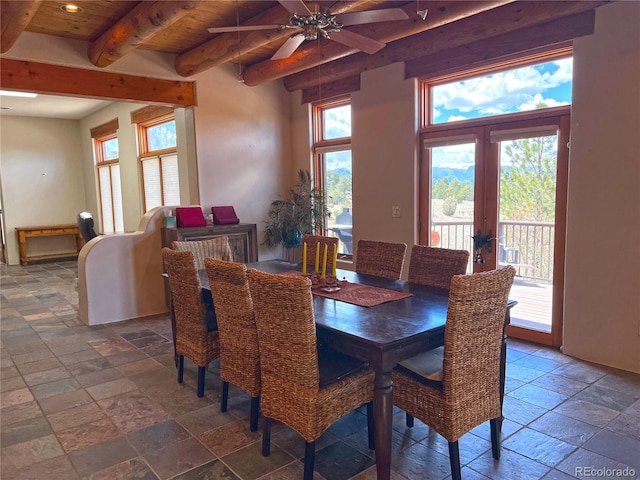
pixel 321 146
pixel 144 153
pixel 99 149
pixel 426 85
pixel 101 135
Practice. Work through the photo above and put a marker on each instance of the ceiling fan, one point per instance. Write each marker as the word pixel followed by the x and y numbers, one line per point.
pixel 314 25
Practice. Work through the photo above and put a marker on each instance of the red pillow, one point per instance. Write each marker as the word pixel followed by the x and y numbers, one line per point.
pixel 190 217
pixel 224 215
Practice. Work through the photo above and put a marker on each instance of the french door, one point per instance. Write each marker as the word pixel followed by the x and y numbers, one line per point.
pixel 497 188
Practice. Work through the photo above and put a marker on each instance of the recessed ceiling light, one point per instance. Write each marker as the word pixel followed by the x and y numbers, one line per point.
pixel 70 8
pixel 10 93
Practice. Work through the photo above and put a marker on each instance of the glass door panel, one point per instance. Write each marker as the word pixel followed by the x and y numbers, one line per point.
pixel 526 225
pixel 339 198
pixel 505 182
pixel 452 196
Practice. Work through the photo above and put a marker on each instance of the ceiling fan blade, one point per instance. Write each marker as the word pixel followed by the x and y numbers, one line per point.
pixel 289 47
pixel 371 16
pixel 355 40
pixel 242 28
pixel 295 6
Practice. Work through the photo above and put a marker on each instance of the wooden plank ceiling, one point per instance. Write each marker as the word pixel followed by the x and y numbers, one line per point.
pixel 112 29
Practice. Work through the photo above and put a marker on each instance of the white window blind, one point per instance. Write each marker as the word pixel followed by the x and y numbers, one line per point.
pixel 160 180
pixel 151 180
pixel 105 199
pixel 116 191
pixel 170 184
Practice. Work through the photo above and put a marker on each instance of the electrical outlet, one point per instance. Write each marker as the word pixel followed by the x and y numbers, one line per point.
pixel 395 211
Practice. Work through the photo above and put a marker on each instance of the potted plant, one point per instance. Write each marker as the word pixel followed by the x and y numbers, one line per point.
pixel 303 211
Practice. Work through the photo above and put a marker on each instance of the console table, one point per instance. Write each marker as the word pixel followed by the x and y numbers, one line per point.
pixel 243 238
pixel 47 231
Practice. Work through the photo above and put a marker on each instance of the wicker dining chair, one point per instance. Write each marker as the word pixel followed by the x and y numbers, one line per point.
pixel 435 266
pixel 217 247
pixel 312 243
pixel 239 354
pixel 196 337
pixel 304 386
pixel 383 259
pixel 464 390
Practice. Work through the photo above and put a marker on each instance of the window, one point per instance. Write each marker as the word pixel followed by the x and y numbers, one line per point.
pixel 157 146
pixel 108 172
pixel 494 163
pixel 530 84
pixel 332 167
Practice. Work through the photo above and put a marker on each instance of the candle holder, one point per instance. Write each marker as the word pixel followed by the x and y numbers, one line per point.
pixel 315 279
pixel 330 281
pixel 318 282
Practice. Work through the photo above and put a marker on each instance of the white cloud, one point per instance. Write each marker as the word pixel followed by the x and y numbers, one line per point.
pixel 505 91
pixel 453 156
pixel 455 118
pixel 537 99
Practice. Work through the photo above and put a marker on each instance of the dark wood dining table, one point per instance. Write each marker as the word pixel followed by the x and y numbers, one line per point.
pixel 382 335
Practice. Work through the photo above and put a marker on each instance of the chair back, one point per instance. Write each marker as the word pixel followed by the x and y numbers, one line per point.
pixel 435 266
pixel 239 353
pixel 312 244
pixel 217 247
pixel 185 294
pixel 383 259
pixel 283 309
pixel 473 341
pixel 85 225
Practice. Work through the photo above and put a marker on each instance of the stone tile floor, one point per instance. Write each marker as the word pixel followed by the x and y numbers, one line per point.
pixel 103 403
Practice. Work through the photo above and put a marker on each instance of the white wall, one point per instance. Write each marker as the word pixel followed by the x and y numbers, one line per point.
pixel 384 116
pixel 38 47
pixel 130 174
pixel 602 288
pixel 243 146
pixel 384 143
pixel 42 180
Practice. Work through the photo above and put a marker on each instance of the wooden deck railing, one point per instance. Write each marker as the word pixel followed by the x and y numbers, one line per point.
pixel 526 245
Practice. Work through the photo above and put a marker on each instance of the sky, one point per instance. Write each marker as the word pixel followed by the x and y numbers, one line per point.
pixel 504 92
pixel 511 91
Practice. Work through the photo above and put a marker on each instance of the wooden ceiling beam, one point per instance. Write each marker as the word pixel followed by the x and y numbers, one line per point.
pixel 228 47
pixel 505 47
pixel 330 90
pixel 14 18
pixel 507 18
pixel 77 82
pixel 313 54
pixel 145 20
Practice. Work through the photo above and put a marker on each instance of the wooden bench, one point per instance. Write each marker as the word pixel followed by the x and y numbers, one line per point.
pixel 47 231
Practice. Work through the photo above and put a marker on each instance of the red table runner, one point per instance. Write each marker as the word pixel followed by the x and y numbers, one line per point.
pixel 356 293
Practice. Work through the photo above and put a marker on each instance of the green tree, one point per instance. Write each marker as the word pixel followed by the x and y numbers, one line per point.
pixel 452 188
pixel 528 179
pixel 338 192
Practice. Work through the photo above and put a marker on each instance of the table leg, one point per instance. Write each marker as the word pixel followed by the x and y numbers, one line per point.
pixel 383 414
pixel 172 315
pixel 503 363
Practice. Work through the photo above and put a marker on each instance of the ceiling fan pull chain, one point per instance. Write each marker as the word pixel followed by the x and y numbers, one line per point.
pixel 240 77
